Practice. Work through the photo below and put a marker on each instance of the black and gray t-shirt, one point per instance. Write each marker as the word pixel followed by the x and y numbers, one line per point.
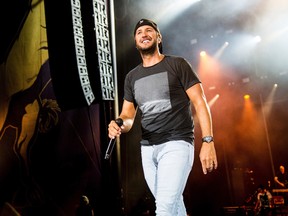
pixel 159 92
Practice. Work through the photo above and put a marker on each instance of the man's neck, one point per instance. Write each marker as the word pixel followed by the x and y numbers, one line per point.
pixel 151 59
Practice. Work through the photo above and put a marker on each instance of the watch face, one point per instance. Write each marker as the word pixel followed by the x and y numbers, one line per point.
pixel 207 139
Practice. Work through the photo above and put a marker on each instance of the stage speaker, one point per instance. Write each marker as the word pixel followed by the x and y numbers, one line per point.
pixel 80 55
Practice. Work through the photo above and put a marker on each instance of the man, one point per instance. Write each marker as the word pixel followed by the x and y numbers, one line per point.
pixel 161 88
pixel 281 177
pixel 84 208
pixel 281 181
pixel 264 202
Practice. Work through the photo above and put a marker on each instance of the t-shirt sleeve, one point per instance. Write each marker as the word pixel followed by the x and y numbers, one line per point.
pixel 128 90
pixel 187 75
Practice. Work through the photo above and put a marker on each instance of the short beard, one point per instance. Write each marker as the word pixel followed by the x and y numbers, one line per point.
pixel 149 50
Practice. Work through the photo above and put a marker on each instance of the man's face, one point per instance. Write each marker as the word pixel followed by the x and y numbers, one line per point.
pixel 146 39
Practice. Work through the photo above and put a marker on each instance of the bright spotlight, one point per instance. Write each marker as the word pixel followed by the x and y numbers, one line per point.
pixel 202 53
pixel 275 85
pixel 246 96
pixel 257 39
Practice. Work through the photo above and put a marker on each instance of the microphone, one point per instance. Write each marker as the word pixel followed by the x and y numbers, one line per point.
pixel 111 144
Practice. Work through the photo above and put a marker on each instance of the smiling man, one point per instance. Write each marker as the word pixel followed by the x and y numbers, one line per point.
pixel 162 89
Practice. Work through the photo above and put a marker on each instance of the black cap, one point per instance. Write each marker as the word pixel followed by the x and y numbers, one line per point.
pixel 143 22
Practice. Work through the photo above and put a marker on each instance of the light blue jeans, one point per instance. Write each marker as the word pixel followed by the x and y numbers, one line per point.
pixel 166 169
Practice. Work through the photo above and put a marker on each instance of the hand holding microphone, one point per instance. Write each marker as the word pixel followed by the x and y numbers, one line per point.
pixel 111 144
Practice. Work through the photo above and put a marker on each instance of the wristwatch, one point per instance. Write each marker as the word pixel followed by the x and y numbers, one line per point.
pixel 207 139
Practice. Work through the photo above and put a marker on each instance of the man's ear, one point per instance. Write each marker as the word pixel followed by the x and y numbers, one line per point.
pixel 159 38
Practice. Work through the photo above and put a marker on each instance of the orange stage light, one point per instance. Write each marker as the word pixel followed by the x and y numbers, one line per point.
pixel 246 97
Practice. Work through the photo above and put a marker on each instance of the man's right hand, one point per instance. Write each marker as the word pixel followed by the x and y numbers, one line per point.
pixel 115 129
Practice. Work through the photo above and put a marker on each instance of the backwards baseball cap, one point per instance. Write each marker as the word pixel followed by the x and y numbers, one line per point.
pixel 143 22
pixel 148 22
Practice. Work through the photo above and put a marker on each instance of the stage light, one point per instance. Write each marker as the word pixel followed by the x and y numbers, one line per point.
pixel 213 100
pixel 246 96
pixel 202 53
pixel 267 105
pixel 212 88
pixel 229 31
pixel 246 80
pixel 193 41
pixel 283 73
pixel 220 51
pixel 257 39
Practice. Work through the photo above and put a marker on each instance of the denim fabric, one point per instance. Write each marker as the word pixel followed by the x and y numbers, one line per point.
pixel 166 169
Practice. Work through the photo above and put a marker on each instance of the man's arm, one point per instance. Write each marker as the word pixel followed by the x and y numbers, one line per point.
pixel 207 155
pixel 278 182
pixel 127 115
